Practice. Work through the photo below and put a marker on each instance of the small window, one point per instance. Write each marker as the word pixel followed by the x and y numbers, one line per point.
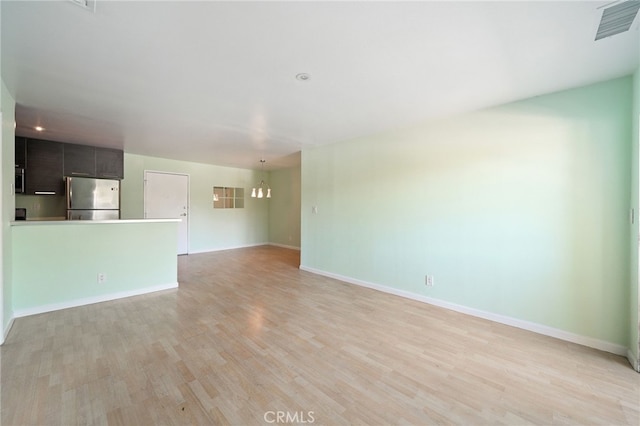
pixel 228 198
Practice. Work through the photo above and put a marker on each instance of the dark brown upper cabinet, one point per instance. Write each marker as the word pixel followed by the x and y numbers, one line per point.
pixel 44 168
pixel 21 152
pixel 79 160
pixel 47 162
pixel 109 163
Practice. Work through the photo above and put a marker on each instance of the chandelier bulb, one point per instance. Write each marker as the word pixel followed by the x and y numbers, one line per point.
pixel 258 191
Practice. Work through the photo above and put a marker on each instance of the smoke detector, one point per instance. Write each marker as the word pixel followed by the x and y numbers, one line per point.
pixel 618 18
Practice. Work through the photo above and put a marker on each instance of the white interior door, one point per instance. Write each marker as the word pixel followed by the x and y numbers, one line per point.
pixel 166 196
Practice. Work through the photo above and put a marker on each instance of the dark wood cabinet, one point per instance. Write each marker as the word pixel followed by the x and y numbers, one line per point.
pixel 47 162
pixel 21 152
pixel 109 163
pixel 79 160
pixel 44 167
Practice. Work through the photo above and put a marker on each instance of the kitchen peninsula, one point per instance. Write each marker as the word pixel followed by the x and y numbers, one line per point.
pixel 62 264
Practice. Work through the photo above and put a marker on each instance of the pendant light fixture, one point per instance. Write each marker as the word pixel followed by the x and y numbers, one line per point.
pixel 258 191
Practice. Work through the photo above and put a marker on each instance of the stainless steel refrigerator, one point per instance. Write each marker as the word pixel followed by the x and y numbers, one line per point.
pixel 92 199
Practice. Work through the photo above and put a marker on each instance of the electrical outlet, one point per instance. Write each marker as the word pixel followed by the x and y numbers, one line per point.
pixel 428 280
pixel 102 278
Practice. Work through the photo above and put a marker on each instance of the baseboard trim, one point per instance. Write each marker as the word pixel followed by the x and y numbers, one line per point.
pixel 227 248
pixel 244 246
pixel 502 319
pixel 285 246
pixel 6 330
pixel 635 363
pixel 91 300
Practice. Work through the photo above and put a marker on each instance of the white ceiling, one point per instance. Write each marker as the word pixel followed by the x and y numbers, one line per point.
pixel 214 82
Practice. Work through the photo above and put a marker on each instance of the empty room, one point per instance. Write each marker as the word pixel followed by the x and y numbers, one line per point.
pixel 335 213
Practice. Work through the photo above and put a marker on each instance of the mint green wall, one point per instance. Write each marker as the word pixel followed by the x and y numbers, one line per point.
pixel 59 263
pixel 634 324
pixel 8 159
pixel 209 229
pixel 284 207
pixel 520 210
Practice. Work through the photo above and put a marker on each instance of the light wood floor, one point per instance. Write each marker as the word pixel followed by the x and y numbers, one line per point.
pixel 248 334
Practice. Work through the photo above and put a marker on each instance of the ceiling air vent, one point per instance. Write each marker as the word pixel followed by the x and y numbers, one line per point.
pixel 617 18
pixel 86 4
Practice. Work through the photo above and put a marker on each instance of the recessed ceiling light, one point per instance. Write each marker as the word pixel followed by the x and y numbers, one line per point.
pixel 303 76
pixel 39 129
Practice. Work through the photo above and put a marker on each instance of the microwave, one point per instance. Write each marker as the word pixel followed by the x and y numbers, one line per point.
pixel 19 186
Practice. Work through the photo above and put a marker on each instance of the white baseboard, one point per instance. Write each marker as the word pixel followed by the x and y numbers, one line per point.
pixel 285 246
pixel 244 246
pixel 6 330
pixel 211 250
pixel 514 322
pixel 635 363
pixel 91 300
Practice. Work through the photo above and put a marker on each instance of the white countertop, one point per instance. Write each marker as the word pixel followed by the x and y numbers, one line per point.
pixel 87 222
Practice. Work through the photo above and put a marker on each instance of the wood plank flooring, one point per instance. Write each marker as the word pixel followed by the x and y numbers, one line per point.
pixel 249 339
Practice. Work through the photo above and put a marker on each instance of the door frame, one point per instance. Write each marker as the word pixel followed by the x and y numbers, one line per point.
pixel 144 198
